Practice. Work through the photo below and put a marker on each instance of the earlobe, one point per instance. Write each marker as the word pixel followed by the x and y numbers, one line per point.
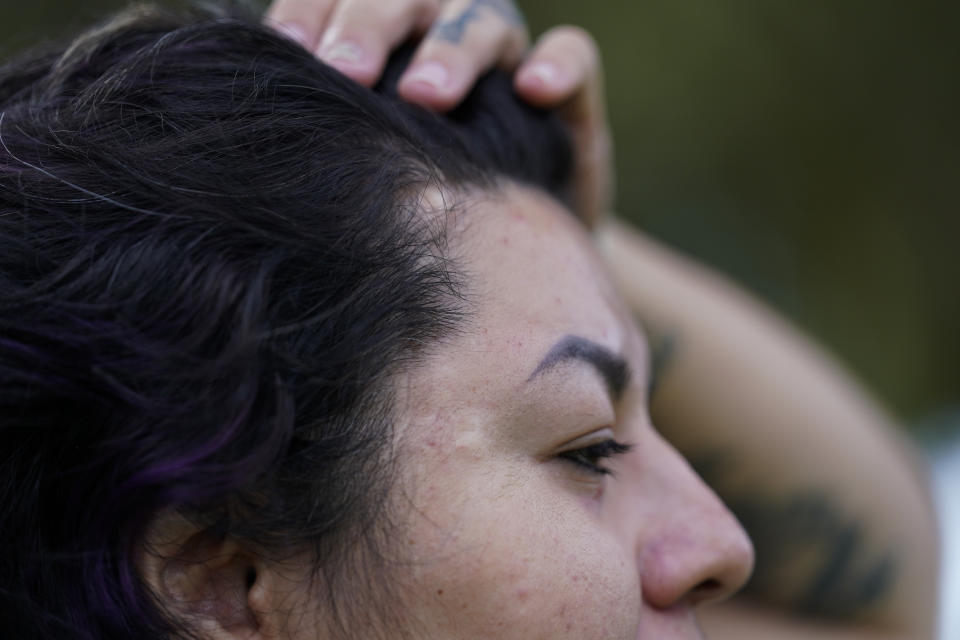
pixel 207 580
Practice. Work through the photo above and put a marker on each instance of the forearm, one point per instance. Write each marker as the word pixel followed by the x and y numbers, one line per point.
pixel 830 493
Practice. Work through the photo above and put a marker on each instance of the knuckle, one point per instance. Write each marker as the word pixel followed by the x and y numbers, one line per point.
pixel 577 40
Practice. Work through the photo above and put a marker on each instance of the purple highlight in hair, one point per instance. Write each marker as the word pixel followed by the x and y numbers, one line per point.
pixel 166 471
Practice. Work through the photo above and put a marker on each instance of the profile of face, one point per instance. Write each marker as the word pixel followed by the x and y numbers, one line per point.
pixel 524 516
pixel 533 497
pixel 529 495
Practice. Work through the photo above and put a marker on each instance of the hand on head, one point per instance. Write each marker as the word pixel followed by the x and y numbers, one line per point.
pixel 460 40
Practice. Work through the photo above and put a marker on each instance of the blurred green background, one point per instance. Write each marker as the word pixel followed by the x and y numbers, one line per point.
pixel 811 150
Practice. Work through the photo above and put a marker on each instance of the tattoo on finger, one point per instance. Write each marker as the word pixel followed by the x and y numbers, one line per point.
pixel 453 30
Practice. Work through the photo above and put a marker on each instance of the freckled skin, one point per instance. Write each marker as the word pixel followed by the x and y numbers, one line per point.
pixel 507 540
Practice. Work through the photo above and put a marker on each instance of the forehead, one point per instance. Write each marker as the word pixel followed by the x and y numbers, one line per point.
pixel 532 278
pixel 531 265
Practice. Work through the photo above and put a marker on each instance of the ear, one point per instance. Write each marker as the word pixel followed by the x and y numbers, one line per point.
pixel 209 581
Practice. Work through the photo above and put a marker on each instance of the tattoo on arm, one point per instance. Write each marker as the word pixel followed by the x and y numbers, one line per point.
pixel 810 557
pixel 453 30
pixel 662 352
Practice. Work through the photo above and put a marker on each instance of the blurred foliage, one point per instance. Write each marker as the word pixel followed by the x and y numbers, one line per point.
pixel 810 150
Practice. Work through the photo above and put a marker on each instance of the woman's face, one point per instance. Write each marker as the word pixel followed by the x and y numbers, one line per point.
pixel 512 530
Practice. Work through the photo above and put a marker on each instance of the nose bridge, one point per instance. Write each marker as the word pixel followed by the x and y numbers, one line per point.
pixel 688 545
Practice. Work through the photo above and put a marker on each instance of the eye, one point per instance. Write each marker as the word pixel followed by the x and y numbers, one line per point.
pixel 592 456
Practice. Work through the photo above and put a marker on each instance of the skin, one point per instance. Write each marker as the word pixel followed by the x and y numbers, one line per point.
pixel 502 535
pixel 507 538
pixel 739 377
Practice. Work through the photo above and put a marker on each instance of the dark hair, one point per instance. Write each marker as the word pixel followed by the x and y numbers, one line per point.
pixel 212 261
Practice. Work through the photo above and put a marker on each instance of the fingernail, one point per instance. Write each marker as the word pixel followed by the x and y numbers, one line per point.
pixel 543 73
pixel 433 74
pixel 295 32
pixel 342 55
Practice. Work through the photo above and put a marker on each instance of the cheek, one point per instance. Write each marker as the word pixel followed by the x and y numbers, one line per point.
pixel 517 557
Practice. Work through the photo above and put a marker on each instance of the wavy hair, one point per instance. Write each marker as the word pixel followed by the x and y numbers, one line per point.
pixel 213 260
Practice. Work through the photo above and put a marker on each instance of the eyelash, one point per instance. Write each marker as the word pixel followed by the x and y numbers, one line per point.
pixel 590 457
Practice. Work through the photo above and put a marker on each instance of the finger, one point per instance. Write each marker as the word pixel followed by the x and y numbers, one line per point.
pixel 470 37
pixel 360 34
pixel 301 20
pixel 564 71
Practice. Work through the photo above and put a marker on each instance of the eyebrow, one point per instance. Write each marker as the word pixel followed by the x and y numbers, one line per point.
pixel 612 367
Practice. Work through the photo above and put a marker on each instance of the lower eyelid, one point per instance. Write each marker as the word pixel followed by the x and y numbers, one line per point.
pixel 586 467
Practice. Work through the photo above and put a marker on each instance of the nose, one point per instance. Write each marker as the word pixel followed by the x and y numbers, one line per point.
pixel 689 548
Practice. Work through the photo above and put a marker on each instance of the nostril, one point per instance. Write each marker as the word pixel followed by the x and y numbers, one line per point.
pixel 706 590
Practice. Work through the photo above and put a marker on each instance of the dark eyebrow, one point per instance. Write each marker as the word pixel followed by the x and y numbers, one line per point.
pixel 612 367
